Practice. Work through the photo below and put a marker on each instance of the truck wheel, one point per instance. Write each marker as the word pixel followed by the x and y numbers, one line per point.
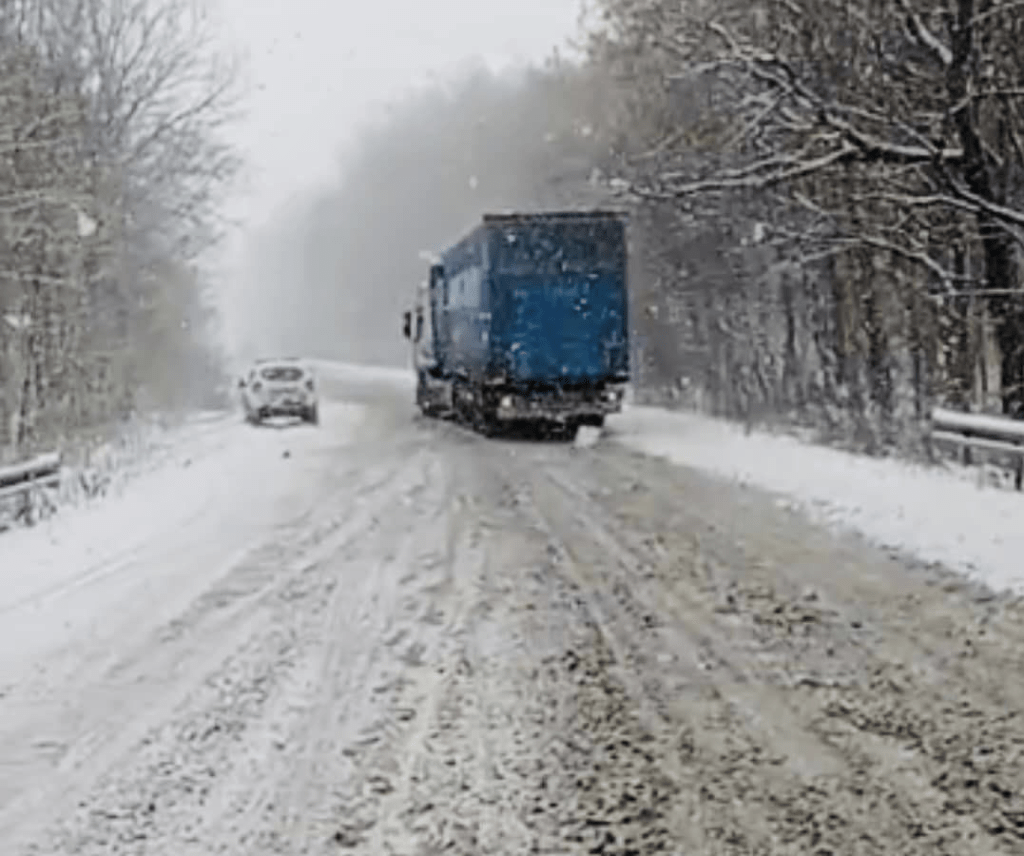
pixel 427 408
pixel 569 430
pixel 486 423
pixel 593 421
pixel 463 415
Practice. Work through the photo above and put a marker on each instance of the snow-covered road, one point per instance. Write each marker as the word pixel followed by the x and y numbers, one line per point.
pixel 389 636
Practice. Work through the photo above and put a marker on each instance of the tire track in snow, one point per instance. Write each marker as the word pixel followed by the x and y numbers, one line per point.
pixel 901 672
pixel 168 667
pixel 915 814
pixel 343 700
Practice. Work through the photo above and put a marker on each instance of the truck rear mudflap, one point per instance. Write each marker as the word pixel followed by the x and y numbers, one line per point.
pixel 559 407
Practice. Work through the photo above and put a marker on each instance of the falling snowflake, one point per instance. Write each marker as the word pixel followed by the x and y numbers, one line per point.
pixel 86 225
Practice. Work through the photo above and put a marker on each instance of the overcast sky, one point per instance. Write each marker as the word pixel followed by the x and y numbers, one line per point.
pixel 316 69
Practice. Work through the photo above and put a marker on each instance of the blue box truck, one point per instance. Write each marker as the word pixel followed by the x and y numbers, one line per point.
pixel 525 319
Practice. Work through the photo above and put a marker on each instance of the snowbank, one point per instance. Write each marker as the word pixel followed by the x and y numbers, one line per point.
pixel 141 447
pixel 158 538
pixel 164 475
pixel 208 463
pixel 94 467
pixel 935 515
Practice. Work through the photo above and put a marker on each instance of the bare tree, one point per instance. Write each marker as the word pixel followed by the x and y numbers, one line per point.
pixel 878 146
pixel 114 112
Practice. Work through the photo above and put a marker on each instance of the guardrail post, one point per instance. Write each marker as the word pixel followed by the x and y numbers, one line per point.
pixel 987 434
pixel 25 484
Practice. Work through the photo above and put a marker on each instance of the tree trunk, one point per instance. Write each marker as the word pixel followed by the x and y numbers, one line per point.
pixel 1000 275
pixel 880 377
pixel 791 370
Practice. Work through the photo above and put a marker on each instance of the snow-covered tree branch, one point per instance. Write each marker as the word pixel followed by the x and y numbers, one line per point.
pixel 878 145
pixel 112 169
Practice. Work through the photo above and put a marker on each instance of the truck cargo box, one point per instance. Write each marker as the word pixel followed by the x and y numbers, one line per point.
pixel 537 299
pixel 532 309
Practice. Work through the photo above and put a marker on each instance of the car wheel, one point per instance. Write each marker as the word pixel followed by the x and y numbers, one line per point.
pixel 313 416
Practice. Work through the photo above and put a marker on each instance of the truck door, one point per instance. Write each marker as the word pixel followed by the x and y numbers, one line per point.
pixel 438 302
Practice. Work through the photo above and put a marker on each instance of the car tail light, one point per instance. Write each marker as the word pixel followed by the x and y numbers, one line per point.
pixel 309 384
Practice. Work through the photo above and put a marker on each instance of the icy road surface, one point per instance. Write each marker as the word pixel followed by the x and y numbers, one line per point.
pixel 401 638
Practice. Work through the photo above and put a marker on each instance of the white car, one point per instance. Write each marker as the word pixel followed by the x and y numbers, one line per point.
pixel 280 387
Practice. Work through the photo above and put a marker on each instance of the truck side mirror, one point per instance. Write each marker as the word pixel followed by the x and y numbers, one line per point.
pixel 407 325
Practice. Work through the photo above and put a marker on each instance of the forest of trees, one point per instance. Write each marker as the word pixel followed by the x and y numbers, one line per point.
pixel 826 202
pixel 111 171
pixel 832 201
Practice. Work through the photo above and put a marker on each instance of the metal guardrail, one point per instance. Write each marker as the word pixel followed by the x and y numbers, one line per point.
pixel 970 431
pixel 29 481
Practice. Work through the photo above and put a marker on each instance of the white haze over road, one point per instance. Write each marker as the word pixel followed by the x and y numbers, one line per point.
pixel 317 70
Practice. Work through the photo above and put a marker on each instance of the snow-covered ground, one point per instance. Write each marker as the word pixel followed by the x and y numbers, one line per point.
pixel 936 515
pixel 211 486
pixel 947 516
pixel 950 516
pixel 388 635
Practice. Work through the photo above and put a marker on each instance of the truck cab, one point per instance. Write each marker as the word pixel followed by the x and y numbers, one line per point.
pixel 419 328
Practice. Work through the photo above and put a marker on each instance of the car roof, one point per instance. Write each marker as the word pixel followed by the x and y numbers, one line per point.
pixel 282 361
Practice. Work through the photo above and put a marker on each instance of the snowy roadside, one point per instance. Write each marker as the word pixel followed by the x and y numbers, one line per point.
pixel 936 515
pixel 167 483
pixel 97 467
pixel 142 447
pixel 117 488
pixel 160 540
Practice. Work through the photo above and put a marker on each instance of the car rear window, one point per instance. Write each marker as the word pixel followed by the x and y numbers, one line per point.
pixel 287 374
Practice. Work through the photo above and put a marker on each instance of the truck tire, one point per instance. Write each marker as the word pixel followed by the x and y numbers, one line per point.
pixel 486 422
pixel 421 397
pixel 593 421
pixel 566 432
pixel 462 412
